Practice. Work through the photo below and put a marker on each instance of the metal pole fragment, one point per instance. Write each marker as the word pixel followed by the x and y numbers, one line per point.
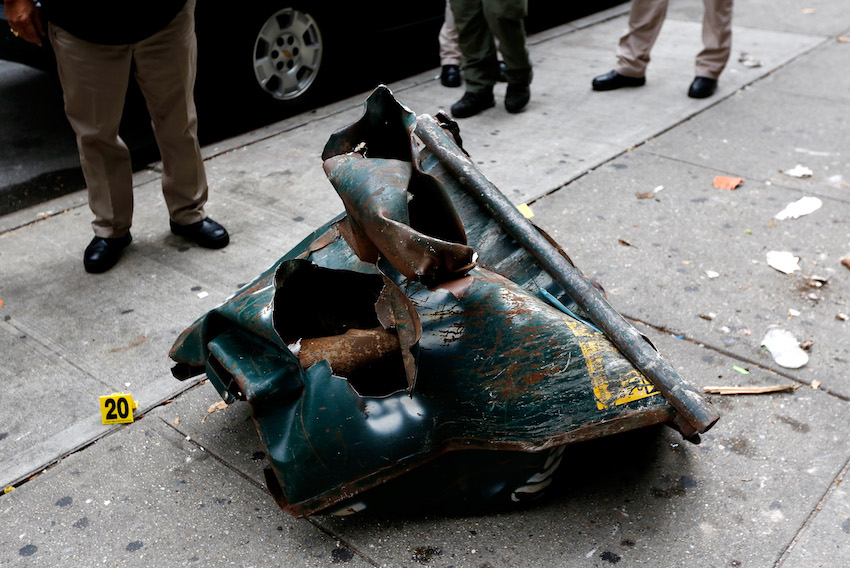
pixel 687 401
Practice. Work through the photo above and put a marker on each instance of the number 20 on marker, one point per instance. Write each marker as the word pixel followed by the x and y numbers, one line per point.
pixel 117 408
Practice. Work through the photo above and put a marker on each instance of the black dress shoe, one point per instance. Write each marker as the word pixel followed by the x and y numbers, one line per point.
pixel 206 233
pixel 613 80
pixel 102 254
pixel 450 76
pixel 516 97
pixel 472 103
pixel 702 87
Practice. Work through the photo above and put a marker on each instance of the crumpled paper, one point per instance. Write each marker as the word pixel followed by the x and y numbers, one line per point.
pixel 784 348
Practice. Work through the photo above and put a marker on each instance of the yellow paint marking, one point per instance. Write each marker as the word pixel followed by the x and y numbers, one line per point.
pixel 608 392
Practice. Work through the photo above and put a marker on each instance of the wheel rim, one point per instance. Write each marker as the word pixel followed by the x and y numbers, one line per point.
pixel 287 54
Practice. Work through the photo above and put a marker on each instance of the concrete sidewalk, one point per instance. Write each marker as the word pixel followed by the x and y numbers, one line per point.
pixel 766 488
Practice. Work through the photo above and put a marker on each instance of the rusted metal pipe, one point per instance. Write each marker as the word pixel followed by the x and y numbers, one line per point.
pixel 697 413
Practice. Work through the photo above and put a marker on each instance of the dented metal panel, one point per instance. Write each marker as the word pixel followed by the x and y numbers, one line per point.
pixel 412 348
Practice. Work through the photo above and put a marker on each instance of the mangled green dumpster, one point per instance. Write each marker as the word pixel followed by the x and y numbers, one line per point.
pixel 430 346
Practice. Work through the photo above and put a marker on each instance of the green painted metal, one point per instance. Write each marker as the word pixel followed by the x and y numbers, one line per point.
pixel 492 377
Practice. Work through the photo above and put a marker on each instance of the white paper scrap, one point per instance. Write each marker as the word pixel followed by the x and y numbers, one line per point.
pixel 799 171
pixel 784 349
pixel 802 206
pixel 783 261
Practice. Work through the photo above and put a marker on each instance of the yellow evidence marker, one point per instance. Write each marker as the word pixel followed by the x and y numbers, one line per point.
pixel 117 408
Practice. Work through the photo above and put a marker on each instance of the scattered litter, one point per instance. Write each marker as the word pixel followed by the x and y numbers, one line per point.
pixel 725 182
pixel 815 385
pixel 793 313
pixel 816 281
pixel 203 295
pixel 649 194
pixel 625 243
pixel 177 421
pixel 802 206
pixel 842 316
pixel 1 303
pixel 525 210
pixel 784 348
pixel 712 274
pixel 846 261
pixel 747 60
pixel 799 171
pixel 843 39
pixel 783 261
pixel 813 297
pixel 220 405
pixel 749 390
pixel 808 11
pixel 708 316
pixel 8 489
pixel 807 345
pixel 741 370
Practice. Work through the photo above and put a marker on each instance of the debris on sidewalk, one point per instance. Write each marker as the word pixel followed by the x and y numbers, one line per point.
pixel 712 274
pixel 747 60
pixel 783 261
pixel 739 369
pixel 784 348
pixel 843 39
pixel 799 171
pixel 846 261
pixel 817 281
pixel 708 316
pixel 803 206
pixel 842 316
pixel 726 182
pixel 750 389
pixel 214 407
pixel 443 363
pixel 649 194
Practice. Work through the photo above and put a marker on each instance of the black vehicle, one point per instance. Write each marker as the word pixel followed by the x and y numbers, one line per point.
pixel 289 55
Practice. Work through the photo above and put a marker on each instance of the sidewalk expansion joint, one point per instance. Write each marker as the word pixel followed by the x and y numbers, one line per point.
pixel 815 512
pixel 731 355
pixel 340 540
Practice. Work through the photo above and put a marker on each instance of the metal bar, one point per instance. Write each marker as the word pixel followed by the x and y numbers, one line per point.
pixel 688 402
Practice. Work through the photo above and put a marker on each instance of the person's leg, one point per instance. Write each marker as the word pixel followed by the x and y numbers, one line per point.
pixel 480 66
pixel 450 55
pixel 94 82
pixel 505 18
pixel 645 21
pixel 449 44
pixel 165 71
pixel 716 38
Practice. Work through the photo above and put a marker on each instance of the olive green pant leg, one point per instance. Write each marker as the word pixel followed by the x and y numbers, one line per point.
pixel 480 66
pixel 506 20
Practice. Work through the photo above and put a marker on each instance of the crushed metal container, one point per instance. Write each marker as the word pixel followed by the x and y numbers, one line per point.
pixel 430 347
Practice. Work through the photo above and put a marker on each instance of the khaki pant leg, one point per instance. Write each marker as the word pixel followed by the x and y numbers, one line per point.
pixel 645 21
pixel 716 38
pixel 506 21
pixel 165 71
pixel 449 46
pixel 94 82
pixel 480 66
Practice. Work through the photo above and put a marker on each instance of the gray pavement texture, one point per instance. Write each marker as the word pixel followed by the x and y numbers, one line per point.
pixel 623 181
